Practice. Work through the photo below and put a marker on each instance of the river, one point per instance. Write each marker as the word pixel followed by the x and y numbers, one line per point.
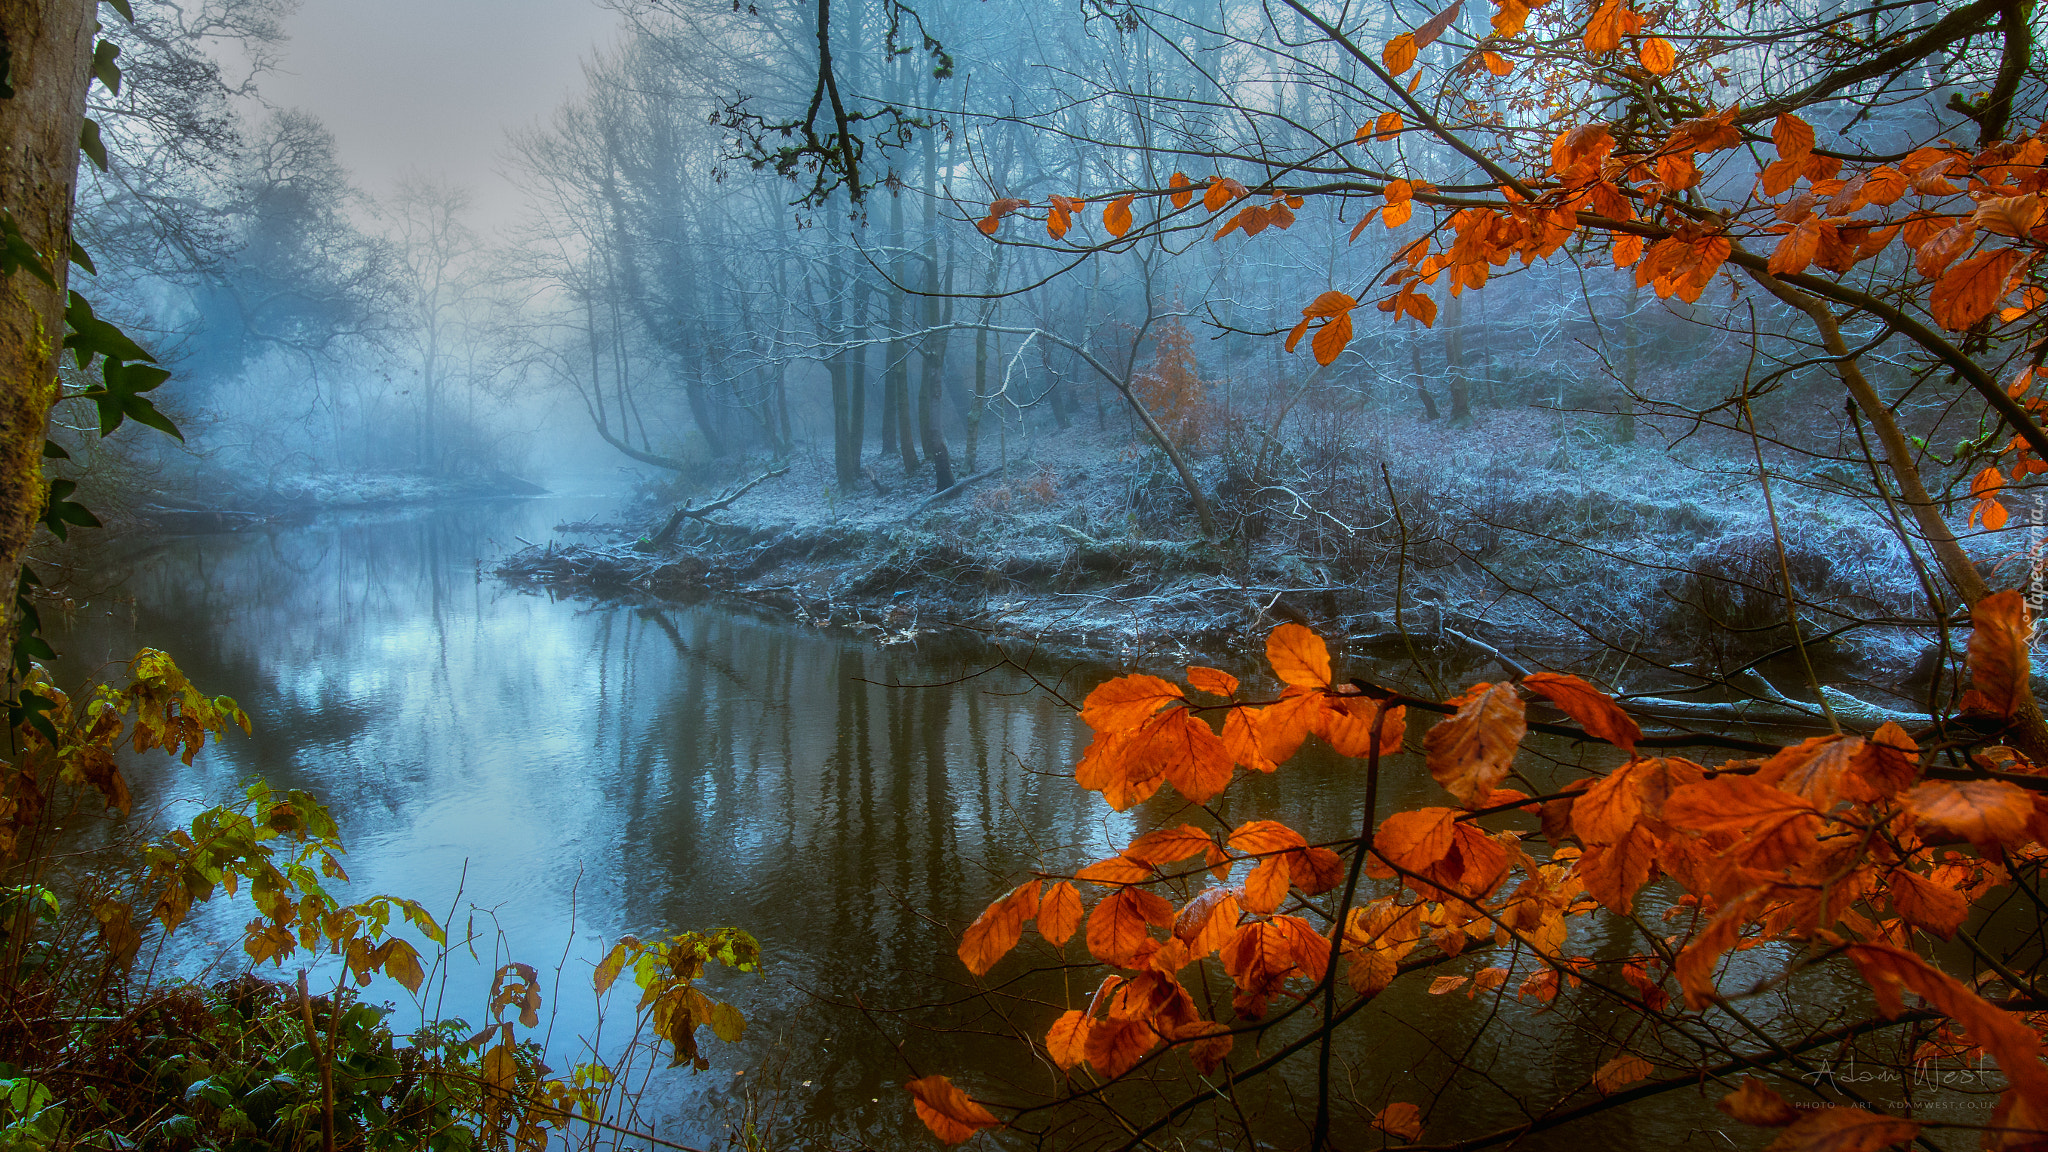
pixel 560 773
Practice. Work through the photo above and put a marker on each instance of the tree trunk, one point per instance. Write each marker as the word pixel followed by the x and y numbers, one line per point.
pixel 1631 335
pixel 932 354
pixel 2029 731
pixel 50 45
pixel 1454 360
pixel 1422 390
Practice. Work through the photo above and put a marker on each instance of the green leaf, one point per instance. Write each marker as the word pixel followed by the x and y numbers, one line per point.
pixel 54 451
pixel 90 335
pixel 17 252
pixel 104 69
pixel 89 143
pixel 82 258
pixel 122 7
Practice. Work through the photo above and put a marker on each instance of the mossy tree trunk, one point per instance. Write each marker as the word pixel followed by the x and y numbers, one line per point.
pixel 48 46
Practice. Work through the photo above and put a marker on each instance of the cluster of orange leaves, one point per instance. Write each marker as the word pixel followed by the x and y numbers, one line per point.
pixel 1973 254
pixel 1839 841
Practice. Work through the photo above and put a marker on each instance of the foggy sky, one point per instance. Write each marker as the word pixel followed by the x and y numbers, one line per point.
pixel 433 85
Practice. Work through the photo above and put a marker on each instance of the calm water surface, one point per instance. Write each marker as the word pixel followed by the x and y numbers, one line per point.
pixel 561 774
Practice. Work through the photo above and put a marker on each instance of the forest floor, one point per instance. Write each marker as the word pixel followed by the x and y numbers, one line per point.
pixel 1650 567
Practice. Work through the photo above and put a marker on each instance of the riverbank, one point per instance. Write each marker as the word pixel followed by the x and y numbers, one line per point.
pixel 1507 557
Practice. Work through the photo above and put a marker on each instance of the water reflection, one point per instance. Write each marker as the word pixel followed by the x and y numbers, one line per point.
pixel 580 772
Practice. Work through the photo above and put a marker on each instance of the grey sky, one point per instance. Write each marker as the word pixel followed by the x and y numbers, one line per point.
pixel 435 84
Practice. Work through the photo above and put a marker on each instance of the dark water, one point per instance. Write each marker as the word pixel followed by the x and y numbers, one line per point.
pixel 561 774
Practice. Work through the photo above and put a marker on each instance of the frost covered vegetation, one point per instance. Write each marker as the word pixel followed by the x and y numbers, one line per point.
pixel 1693 349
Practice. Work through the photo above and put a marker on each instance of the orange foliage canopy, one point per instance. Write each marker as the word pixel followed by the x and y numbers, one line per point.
pixel 1848 843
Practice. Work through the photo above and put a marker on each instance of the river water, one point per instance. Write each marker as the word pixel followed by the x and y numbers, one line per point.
pixel 560 773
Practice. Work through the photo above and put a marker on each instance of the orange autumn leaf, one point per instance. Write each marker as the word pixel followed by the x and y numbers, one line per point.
pixel 947 1111
pixel 1242 741
pixel 1797 249
pixel 1793 137
pixel 1350 724
pixel 1066 1042
pixel 2014 1045
pixel 1470 753
pixel 1603 31
pixel 1926 905
pixel 1621 1072
pixel 1206 921
pixel 1059 913
pixel 1116 218
pixel 1060 215
pixel 1400 1119
pixel 1214 681
pixel 1117 928
pixel 1595 711
pixel 1970 290
pixel 1183 190
pixel 1839 1129
pixel 1387 126
pixel 998 929
pixel 1399 54
pixel 1299 656
pixel 1435 25
pixel 1127 701
pixel 1987 813
pixel 1755 1103
pixel 1657 56
pixel 1999 663
pixel 1169 845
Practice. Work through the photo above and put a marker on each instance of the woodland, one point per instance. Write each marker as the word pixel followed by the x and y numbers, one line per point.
pixel 1606 431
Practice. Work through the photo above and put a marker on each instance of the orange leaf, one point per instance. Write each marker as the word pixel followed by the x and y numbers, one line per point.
pixel 1400 1119
pixel 1603 31
pixel 1214 681
pixel 1267 885
pixel 2009 1041
pixel 1397 213
pixel 1298 656
pixel 1067 1041
pixel 1797 249
pixel 1116 870
pixel 1435 25
pixel 1621 1072
pixel 1283 726
pixel 1127 701
pixel 1115 1046
pixel 1838 1129
pixel 2013 216
pixel 1657 56
pixel 1999 666
pixel 1349 724
pixel 1387 126
pixel 1613 873
pixel 1595 711
pixel 1207 921
pixel 1973 288
pixel 1469 753
pixel 1329 304
pixel 1183 190
pixel 1444 985
pixel 1987 813
pixel 1794 138
pixel 1167 845
pixel 1496 63
pixel 998 928
pixel 1331 339
pixel 1117 217
pixel 1241 740
pixel 1926 905
pixel 1189 754
pixel 1059 913
pixel 1399 55
pixel 1754 1103
pixel 947 1111
pixel 1116 929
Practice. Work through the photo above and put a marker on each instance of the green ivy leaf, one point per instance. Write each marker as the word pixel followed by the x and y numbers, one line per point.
pixel 104 69
pixel 90 144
